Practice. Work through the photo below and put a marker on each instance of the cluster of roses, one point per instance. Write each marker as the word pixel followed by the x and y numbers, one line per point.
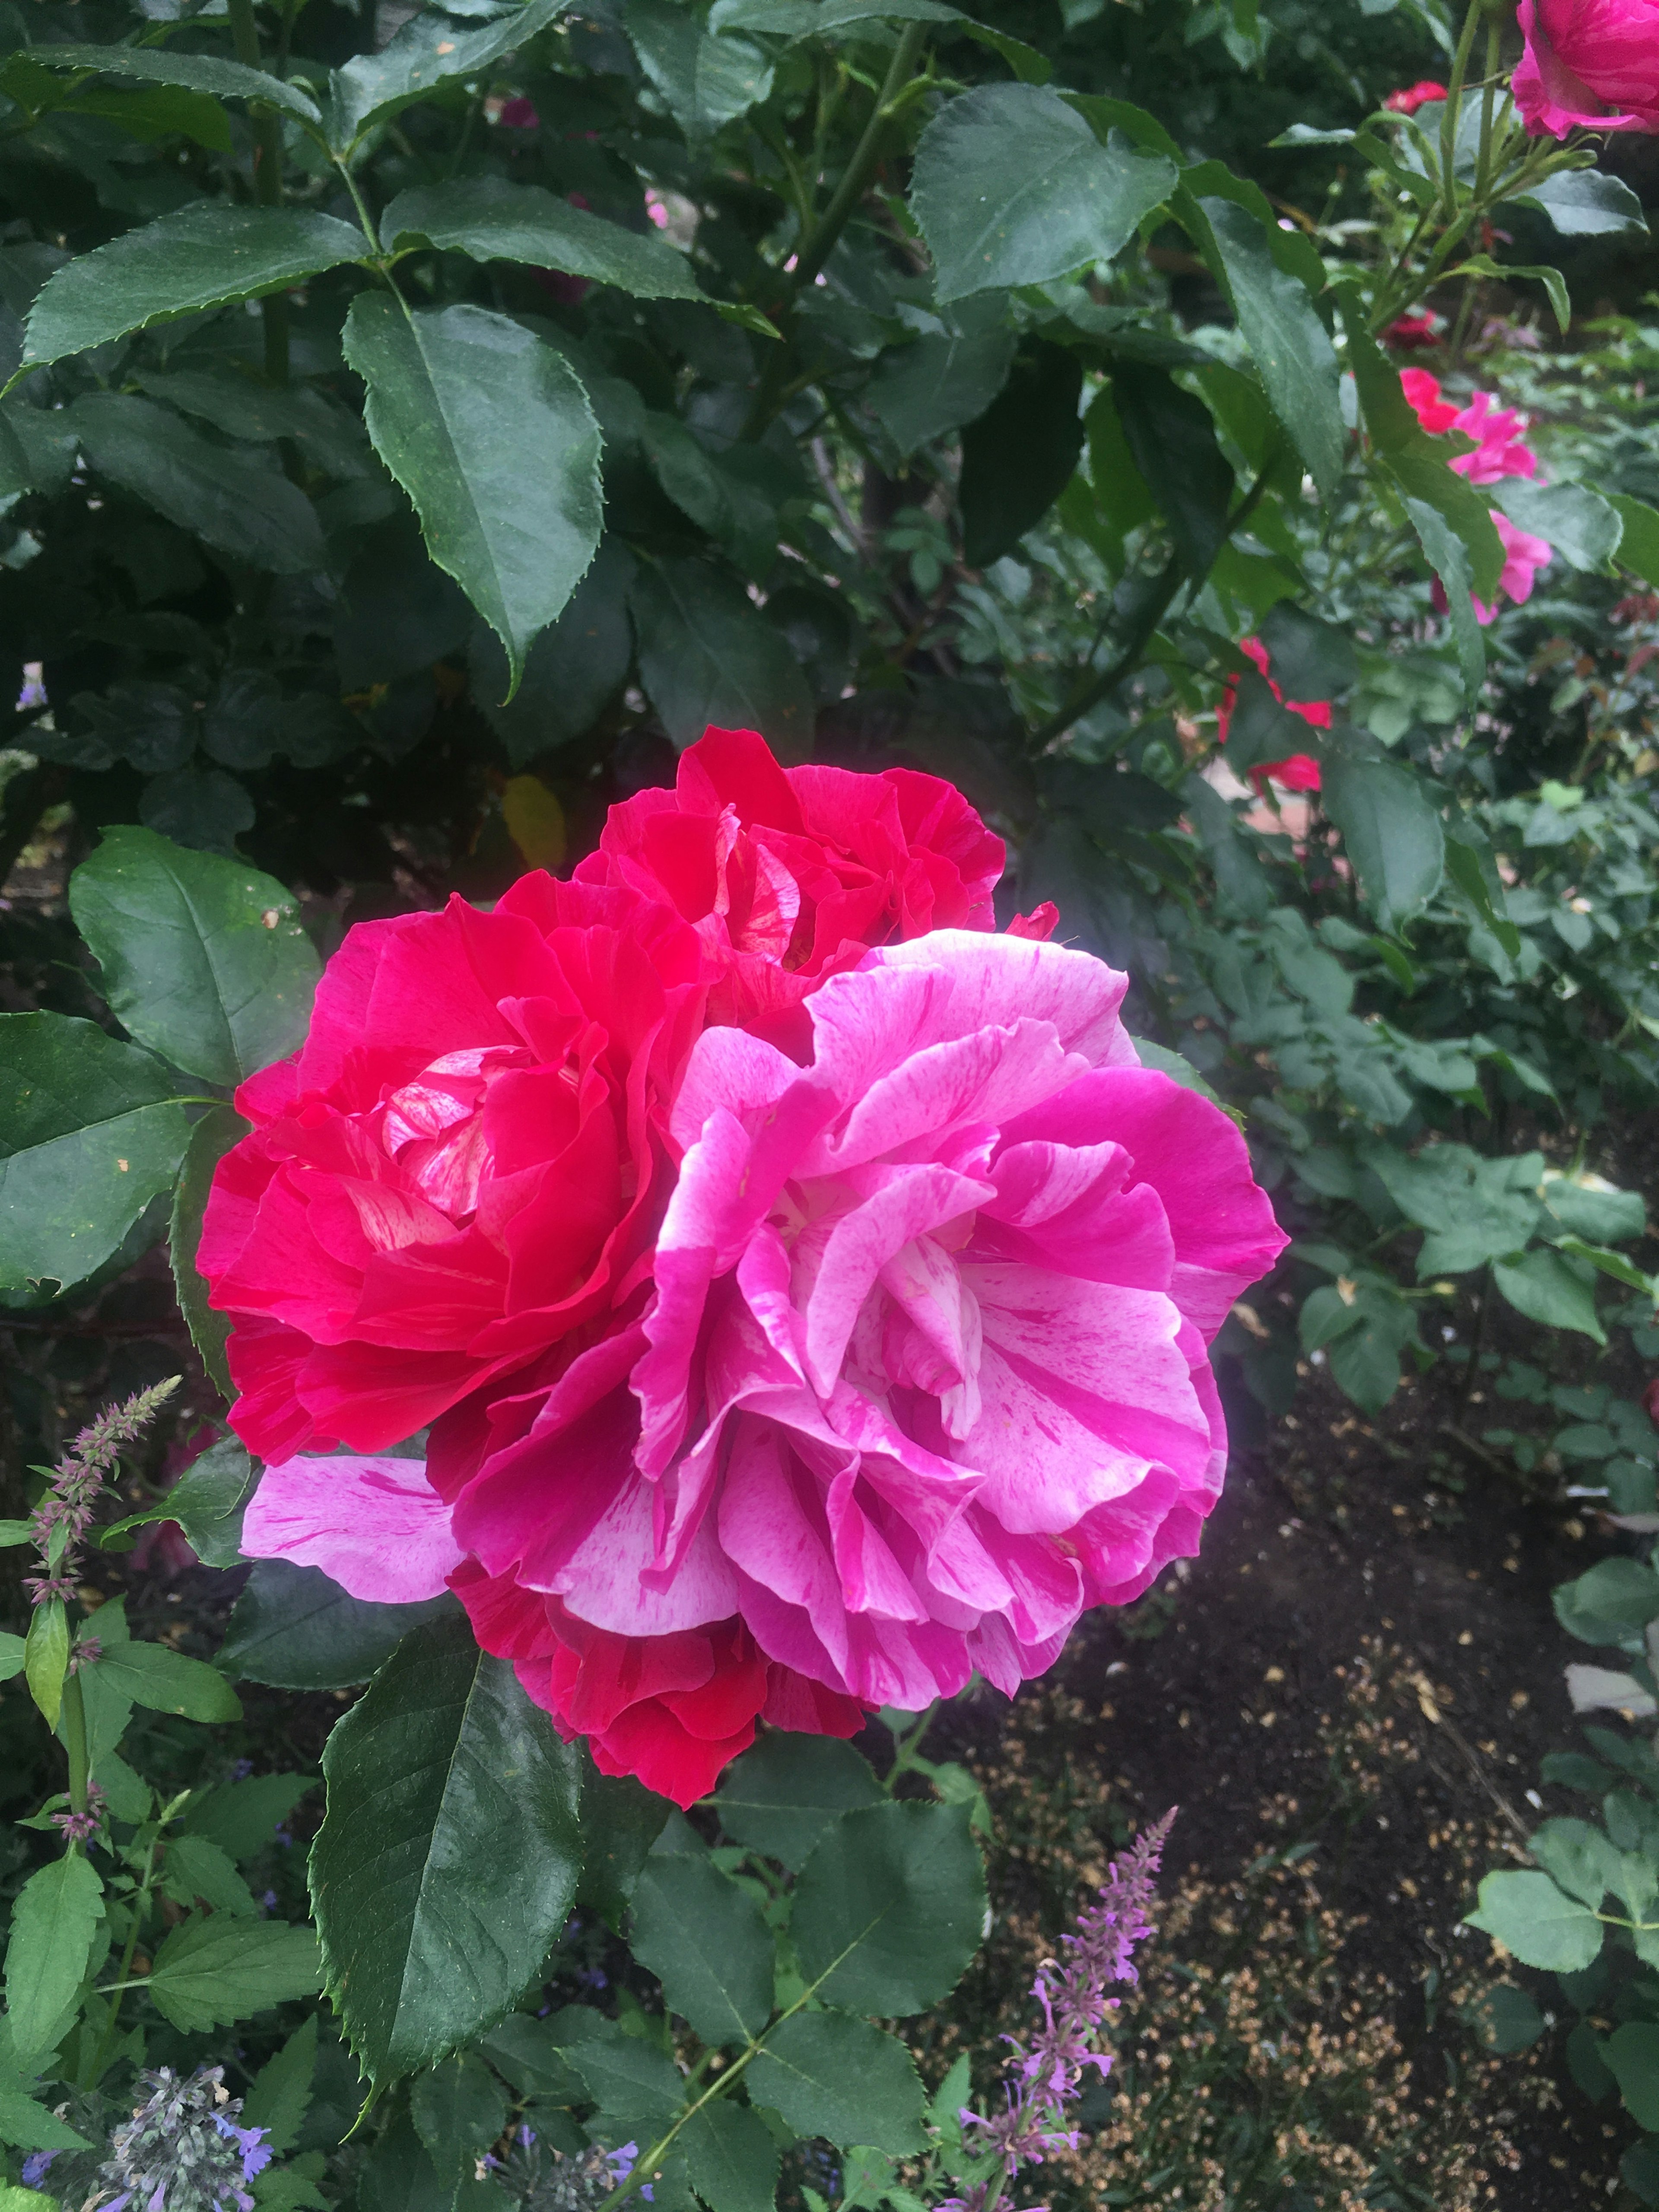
pixel 806 1289
pixel 1499 451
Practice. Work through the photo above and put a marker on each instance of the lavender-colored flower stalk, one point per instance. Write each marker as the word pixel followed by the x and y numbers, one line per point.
pixel 182 2150
pixel 1047 2069
pixel 61 1519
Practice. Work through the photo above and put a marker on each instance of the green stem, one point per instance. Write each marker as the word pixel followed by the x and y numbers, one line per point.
pixel 75 1742
pixel 1488 91
pixel 267 181
pixel 124 1979
pixel 1162 596
pixel 819 243
pixel 815 250
pixel 1449 120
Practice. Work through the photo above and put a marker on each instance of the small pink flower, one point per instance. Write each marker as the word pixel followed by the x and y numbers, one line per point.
pixel 1525 556
pixel 1590 64
pixel 656 210
pixel 1411 97
pixel 520 114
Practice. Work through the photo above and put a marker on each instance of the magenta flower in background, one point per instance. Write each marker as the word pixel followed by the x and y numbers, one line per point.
pixel 1499 451
pixel 1411 97
pixel 1590 64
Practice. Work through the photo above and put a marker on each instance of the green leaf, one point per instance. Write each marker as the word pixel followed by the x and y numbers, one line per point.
pixel 280 2093
pixel 1504 2018
pixel 1018 457
pixel 1011 187
pixel 1262 730
pixel 844 2079
pixel 1309 659
pixel 1554 283
pixel 238 505
pixel 1447 554
pixel 1472 867
pixel 1172 440
pixel 782 1796
pixel 46 1657
pixel 495 221
pixel 706 656
pixel 13 1651
pixel 621 1819
pixel 167 1682
pixel 1554 1288
pixel 1579 1859
pixel 30 2126
pixel 193 1868
pixel 213 1136
pixel 638 2089
pixel 447 1860
pixel 507 494
pixel 203 959
pixel 242 1817
pixel 214 1969
pixel 1584 528
pixel 295 1629
pixel 1595 1210
pixel 1587 204
pixel 708 1943
pixel 194 72
pixel 731 2157
pixel 207 1502
pixel 53 1921
pixel 574 669
pixel 90 1132
pixel 1638 545
pixel 889 1908
pixel 1532 1918
pixel 205 256
pixel 1391 832
pixel 1615 1598
pixel 705 79
pixel 923 391
pixel 1290 345
pixel 458 2110
pixel 427 51
pixel 1632 2053
pixel 1474 1210
pixel 322 430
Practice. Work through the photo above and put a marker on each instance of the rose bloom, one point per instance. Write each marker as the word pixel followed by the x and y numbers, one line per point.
pixel 789 875
pixel 1588 63
pixel 1411 97
pixel 1297 771
pixel 465 1162
pixel 922 1374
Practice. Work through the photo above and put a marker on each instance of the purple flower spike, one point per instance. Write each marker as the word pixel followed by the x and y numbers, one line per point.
pixel 1046 2071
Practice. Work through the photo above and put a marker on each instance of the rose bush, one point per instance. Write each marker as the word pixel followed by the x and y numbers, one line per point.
pixel 914 1371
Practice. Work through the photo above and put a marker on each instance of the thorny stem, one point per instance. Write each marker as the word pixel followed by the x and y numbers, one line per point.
pixel 1151 613
pixel 818 243
pixel 267 182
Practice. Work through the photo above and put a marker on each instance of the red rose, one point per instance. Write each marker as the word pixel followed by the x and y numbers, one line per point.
pixel 1297 771
pixel 1411 97
pixel 789 875
pixel 463 1165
